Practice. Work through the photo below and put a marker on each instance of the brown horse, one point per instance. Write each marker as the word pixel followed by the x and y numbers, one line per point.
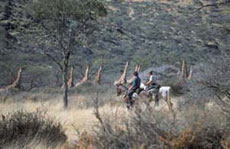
pixel 123 90
pixel 140 94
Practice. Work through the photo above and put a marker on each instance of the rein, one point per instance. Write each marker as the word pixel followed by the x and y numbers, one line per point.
pixel 123 87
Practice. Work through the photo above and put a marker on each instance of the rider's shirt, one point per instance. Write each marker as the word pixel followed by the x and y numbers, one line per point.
pixel 136 83
pixel 152 79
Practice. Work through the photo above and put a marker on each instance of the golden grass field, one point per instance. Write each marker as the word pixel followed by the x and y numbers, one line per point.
pixel 72 118
pixel 80 120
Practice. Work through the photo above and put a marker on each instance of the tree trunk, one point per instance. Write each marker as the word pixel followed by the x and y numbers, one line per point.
pixel 66 88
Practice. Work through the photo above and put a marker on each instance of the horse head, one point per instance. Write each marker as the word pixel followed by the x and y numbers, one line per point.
pixel 121 89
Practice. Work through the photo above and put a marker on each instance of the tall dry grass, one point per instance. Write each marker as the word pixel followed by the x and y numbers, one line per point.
pixel 23 130
pixel 113 126
pixel 79 116
pixel 151 128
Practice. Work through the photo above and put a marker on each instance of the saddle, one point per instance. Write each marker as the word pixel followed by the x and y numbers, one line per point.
pixel 155 89
pixel 139 90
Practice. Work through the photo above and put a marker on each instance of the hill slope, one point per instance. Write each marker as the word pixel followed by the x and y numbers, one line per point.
pixel 150 33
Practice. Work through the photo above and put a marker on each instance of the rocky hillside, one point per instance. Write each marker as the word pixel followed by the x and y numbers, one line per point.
pixel 150 33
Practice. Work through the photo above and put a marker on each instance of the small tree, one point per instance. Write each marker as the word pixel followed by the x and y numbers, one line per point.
pixel 60 26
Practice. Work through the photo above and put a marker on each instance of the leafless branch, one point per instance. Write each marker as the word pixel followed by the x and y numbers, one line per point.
pixel 49 31
pixel 97 113
pixel 54 60
pixel 213 5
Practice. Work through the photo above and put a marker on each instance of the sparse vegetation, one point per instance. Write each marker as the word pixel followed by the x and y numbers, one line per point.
pixel 21 129
pixel 185 43
pixel 152 129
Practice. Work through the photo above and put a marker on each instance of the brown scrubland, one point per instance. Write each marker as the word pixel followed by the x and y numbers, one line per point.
pixel 184 42
pixel 97 118
pixel 101 120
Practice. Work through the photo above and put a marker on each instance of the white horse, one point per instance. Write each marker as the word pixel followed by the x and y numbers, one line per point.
pixel 164 92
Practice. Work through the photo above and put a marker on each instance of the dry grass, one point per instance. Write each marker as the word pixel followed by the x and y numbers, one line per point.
pixel 71 119
pixel 78 116
pixel 81 126
pixel 23 129
pixel 194 128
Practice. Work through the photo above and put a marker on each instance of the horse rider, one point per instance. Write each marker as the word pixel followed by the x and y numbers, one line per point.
pixel 153 86
pixel 135 86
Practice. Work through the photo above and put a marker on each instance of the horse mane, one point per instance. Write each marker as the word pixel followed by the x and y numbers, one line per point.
pixel 123 86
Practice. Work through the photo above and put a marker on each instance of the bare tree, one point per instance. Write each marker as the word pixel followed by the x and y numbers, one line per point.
pixel 61 26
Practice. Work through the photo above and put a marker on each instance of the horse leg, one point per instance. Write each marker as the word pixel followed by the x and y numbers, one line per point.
pixel 132 103
pixel 157 100
pixel 149 97
pixel 126 100
pixel 129 103
pixel 169 101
